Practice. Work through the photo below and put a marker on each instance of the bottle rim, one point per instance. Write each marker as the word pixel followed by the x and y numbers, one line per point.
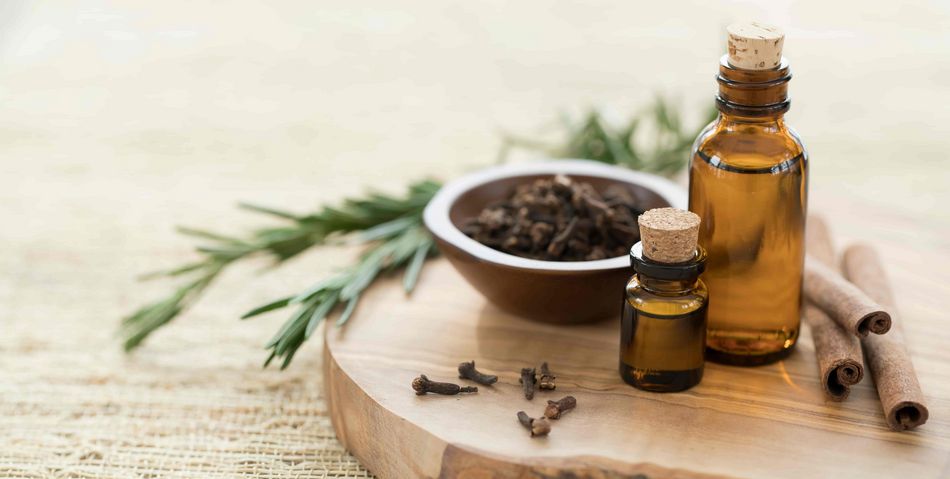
pixel 670 271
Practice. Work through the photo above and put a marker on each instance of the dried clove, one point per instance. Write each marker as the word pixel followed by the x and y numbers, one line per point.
pixel 423 385
pixel 560 219
pixel 538 427
pixel 561 406
pixel 547 379
pixel 528 380
pixel 468 371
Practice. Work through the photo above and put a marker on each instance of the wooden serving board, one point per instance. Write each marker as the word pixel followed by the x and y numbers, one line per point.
pixel 770 421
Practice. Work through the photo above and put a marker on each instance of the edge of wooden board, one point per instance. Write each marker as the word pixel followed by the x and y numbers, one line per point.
pixel 367 430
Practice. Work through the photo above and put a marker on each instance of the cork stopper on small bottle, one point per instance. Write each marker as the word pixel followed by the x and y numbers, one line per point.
pixel 755 46
pixel 669 235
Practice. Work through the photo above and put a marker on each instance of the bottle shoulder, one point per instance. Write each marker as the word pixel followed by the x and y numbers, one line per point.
pixel 752 145
pixel 666 304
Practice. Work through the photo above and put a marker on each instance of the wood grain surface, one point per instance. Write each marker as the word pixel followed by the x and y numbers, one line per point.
pixel 770 421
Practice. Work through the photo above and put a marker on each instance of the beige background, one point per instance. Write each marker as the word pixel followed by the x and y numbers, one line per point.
pixel 119 120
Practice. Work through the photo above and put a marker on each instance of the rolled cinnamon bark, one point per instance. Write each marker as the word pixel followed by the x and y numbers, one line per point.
pixel 843 301
pixel 838 351
pixel 887 357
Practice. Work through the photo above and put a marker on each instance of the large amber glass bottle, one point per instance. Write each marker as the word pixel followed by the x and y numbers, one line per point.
pixel 748 182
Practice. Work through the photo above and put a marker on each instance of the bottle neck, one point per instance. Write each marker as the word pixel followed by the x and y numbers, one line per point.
pixel 753 94
pixel 667 286
pixel 666 278
pixel 769 123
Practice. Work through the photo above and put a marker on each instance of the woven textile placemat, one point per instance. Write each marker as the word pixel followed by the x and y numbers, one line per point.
pixel 70 415
pixel 65 414
pixel 192 402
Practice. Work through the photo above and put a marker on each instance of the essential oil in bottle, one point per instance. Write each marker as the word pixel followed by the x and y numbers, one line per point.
pixel 748 181
pixel 663 322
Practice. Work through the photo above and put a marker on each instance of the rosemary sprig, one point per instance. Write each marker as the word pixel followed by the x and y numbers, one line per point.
pixel 593 138
pixel 377 214
pixel 397 244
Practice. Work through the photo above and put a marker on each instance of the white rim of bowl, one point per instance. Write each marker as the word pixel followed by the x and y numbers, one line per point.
pixel 436 214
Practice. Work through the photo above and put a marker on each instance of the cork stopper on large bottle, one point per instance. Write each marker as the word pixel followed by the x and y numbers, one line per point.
pixel 669 235
pixel 755 46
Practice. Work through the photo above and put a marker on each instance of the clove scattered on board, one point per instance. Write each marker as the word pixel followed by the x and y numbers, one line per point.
pixel 422 385
pixel 561 406
pixel 547 379
pixel 468 371
pixel 538 427
pixel 528 381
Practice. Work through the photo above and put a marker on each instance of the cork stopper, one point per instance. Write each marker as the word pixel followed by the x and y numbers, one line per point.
pixel 755 46
pixel 669 235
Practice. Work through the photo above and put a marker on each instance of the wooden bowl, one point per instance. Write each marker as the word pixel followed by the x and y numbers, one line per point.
pixel 549 291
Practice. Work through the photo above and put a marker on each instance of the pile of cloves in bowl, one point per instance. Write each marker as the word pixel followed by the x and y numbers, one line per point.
pixel 559 219
pixel 530 380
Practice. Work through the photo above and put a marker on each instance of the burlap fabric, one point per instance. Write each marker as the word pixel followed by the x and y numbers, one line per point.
pixel 193 404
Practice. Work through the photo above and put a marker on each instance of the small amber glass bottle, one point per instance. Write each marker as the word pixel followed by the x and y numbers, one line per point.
pixel 663 320
pixel 748 182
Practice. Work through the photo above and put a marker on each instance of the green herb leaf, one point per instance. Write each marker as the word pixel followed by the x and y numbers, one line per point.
pixel 321 312
pixel 280 303
pixel 408 249
pixel 411 277
pixel 348 311
pixel 282 243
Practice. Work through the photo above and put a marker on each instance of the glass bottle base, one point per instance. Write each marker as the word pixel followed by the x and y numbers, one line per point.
pixel 660 381
pixel 747 358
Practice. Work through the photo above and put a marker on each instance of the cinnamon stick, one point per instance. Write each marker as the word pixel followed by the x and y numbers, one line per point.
pixel 838 351
pixel 843 301
pixel 887 357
